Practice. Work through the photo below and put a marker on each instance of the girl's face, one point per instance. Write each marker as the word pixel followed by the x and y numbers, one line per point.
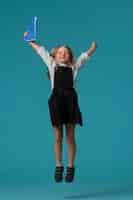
pixel 62 55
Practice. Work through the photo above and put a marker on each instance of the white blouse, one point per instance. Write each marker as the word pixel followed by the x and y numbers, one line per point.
pixel 50 62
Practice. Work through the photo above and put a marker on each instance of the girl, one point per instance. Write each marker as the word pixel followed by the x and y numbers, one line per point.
pixel 63 101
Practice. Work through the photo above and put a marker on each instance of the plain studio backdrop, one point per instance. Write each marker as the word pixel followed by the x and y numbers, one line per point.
pixel 104 85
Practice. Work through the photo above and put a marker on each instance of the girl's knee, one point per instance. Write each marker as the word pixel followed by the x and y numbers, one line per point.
pixel 58 134
pixel 59 139
pixel 70 137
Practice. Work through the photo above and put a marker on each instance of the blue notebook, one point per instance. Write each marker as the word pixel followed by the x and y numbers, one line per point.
pixel 30 34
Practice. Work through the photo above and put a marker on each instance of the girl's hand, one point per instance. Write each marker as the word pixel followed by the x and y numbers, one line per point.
pixel 93 45
pixel 92 48
pixel 25 34
pixel 32 43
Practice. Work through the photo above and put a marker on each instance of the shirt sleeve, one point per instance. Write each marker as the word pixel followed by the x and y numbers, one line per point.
pixel 81 59
pixel 44 54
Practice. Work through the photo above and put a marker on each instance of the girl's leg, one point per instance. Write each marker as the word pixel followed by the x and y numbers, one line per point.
pixel 70 136
pixel 58 135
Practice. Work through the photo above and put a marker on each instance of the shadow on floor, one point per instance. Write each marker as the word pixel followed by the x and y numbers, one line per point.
pixel 105 192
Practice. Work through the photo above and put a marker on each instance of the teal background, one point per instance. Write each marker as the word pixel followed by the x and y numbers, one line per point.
pixel 105 88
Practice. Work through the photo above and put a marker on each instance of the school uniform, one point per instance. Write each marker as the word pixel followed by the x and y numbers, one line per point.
pixel 63 100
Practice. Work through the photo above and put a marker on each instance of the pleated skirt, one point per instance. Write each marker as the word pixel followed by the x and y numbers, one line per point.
pixel 64 107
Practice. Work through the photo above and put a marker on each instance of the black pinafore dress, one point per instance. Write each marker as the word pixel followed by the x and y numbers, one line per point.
pixel 63 102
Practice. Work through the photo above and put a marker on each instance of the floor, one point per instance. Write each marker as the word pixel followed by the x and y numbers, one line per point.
pixel 65 191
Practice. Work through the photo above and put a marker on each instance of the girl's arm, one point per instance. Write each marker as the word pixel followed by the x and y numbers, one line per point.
pixel 84 56
pixel 34 45
pixel 91 49
pixel 44 54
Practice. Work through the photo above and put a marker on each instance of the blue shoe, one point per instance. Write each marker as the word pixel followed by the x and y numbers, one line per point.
pixel 30 34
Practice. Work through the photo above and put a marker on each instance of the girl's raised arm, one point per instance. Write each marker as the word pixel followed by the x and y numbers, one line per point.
pixel 84 56
pixel 34 45
pixel 91 49
pixel 44 54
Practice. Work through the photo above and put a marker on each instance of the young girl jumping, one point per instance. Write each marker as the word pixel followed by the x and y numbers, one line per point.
pixel 63 102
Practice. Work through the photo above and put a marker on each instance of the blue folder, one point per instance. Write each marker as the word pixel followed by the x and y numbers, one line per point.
pixel 32 30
